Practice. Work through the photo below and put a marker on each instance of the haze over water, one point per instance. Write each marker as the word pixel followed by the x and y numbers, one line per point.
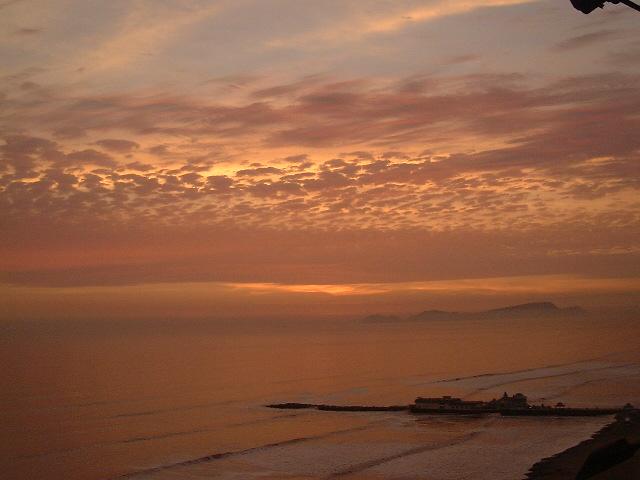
pixel 89 402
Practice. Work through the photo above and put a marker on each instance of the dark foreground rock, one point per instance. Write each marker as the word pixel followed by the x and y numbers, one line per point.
pixel 607 457
pixel 611 454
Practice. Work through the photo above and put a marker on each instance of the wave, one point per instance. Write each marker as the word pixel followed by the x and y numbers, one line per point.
pixel 412 451
pixel 219 456
pixel 513 372
pixel 588 382
pixel 548 376
pixel 184 408
pixel 159 436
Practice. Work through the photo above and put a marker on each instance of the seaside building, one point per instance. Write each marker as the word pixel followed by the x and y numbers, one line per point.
pixel 449 403
pixel 509 402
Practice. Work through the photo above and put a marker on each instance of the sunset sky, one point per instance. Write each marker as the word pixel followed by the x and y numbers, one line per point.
pixel 248 157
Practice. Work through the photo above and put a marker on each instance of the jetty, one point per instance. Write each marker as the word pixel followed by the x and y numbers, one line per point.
pixel 340 408
pixel 508 405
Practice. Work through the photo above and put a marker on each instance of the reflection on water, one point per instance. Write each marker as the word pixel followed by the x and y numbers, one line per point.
pixel 93 403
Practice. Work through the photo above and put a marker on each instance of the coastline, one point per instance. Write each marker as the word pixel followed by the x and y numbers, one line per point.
pixel 568 463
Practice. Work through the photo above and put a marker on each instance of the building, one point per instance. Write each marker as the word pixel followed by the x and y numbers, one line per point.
pixel 448 403
pixel 510 402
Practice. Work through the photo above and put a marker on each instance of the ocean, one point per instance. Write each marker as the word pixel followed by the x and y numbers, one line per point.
pixel 185 399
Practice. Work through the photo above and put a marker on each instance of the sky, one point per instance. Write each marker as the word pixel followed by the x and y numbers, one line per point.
pixel 287 157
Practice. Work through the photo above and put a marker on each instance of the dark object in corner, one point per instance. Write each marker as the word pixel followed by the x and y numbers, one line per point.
pixel 607 457
pixel 588 6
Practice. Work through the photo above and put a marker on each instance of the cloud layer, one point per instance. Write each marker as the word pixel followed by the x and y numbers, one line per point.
pixel 414 148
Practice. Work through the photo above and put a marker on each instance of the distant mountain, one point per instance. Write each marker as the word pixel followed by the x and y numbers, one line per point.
pixel 436 315
pixel 539 309
pixel 381 318
pixel 534 307
pixel 524 310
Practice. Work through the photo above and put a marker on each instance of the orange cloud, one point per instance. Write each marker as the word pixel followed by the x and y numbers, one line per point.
pixel 363 25
pixel 341 186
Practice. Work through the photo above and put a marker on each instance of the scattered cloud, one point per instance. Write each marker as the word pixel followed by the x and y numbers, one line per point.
pixel 27 31
pixel 398 17
pixel 143 30
pixel 415 155
pixel 118 145
pixel 586 40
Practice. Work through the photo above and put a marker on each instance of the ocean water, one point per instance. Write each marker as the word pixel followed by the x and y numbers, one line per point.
pixel 185 400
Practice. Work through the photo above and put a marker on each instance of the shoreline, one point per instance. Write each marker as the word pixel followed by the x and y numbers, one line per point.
pixel 568 463
pixel 611 453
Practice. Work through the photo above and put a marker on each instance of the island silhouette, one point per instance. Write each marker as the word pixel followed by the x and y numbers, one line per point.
pixel 524 310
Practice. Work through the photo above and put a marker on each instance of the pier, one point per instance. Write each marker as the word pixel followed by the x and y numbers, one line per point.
pixel 508 406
